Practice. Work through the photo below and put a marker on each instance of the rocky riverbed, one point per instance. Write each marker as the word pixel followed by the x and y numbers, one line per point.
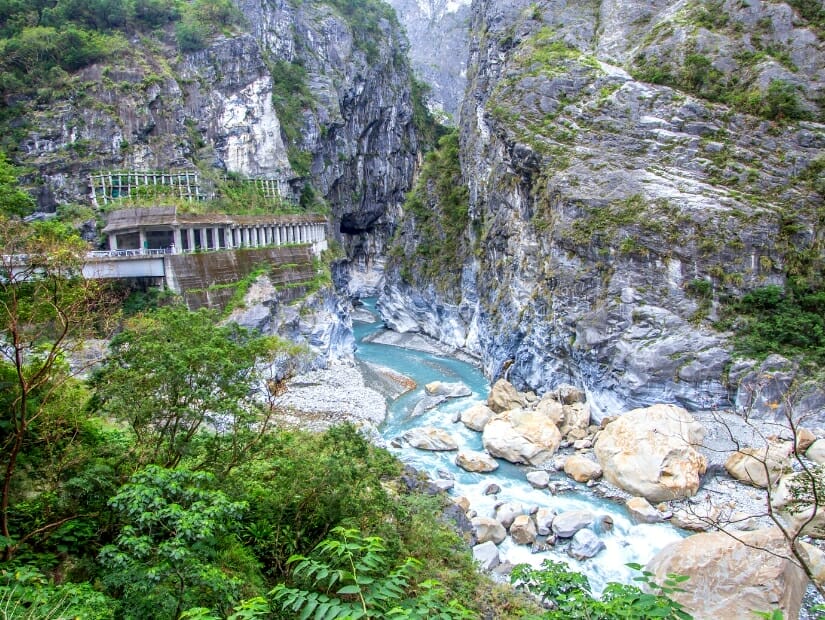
pixel 325 397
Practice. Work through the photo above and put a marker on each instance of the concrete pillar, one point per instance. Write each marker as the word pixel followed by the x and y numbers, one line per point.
pixel 245 234
pixel 227 238
pixel 267 238
pixel 280 232
pixel 112 241
pixel 190 237
pixel 144 244
pixel 216 239
pixel 177 240
pixel 258 240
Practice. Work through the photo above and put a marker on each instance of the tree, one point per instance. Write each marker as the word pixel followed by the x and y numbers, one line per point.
pixel 13 200
pixel 46 310
pixel 188 387
pixel 171 552
pixel 794 487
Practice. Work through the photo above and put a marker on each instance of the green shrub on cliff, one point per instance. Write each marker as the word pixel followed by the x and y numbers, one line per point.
pixel 790 322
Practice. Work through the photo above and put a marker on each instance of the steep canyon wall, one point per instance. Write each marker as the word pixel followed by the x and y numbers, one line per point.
pixel 628 165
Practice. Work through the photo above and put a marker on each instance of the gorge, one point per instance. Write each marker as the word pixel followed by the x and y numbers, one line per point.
pixel 614 197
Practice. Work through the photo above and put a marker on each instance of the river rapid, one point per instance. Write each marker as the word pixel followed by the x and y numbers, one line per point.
pixel 625 542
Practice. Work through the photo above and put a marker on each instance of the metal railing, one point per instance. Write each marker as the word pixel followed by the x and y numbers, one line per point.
pixel 125 253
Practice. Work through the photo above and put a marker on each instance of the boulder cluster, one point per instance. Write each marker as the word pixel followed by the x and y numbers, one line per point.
pixel 654 455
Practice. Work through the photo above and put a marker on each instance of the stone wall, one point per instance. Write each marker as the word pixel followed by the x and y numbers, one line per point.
pixel 205 279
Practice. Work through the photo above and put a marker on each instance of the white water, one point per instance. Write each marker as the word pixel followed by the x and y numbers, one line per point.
pixel 626 542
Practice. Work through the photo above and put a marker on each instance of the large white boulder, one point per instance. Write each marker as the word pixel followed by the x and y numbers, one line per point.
pixel 544 521
pixel 504 397
pixel 566 524
pixel 582 469
pixel 538 479
pixel 488 529
pixel 523 530
pixel 521 436
pixel 651 452
pixel 585 545
pixel 476 417
pixel 551 408
pixel 800 500
pixel 641 510
pixel 476 462
pixel 507 512
pixel 486 555
pixel 733 579
pixel 761 467
pixel 430 438
pixel 576 417
pixel 448 390
pixel 816 452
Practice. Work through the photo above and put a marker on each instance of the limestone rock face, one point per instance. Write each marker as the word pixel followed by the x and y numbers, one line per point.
pixel 504 397
pixel 731 579
pixel 430 438
pixel 437 31
pixel 521 436
pixel 761 467
pixel 476 417
pixel 523 530
pixel 489 530
pixel 582 469
pixel 477 462
pixel 611 196
pixel 650 452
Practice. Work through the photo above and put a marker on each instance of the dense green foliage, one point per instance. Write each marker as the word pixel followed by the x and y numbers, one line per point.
pixel 42 41
pixel 428 129
pixel 291 97
pixel 772 320
pixel 13 200
pixel 194 377
pixel 570 596
pixel 170 553
pixel 348 576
